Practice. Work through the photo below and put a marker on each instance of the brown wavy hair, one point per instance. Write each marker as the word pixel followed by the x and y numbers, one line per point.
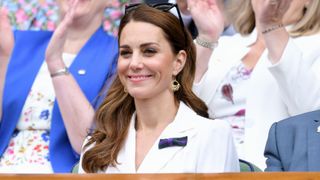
pixel 242 16
pixel 114 115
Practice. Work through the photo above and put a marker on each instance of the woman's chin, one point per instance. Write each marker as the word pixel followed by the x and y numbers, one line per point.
pixel 140 94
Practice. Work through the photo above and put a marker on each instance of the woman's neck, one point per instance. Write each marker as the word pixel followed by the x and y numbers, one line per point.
pixel 155 113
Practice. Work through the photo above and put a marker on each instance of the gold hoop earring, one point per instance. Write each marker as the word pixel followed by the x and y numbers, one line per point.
pixel 175 86
pixel 125 90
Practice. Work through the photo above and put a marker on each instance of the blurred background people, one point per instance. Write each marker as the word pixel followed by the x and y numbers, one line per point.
pixel 187 18
pixel 49 83
pixel 32 14
pixel 263 74
pixel 44 15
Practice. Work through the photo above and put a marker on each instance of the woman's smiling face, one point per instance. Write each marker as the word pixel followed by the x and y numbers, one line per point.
pixel 146 64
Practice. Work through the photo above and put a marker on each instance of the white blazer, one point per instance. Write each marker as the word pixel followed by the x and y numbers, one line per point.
pixel 209 149
pixel 275 91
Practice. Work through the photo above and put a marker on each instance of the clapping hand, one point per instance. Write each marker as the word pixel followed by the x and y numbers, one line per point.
pixel 6 36
pixel 56 46
pixel 208 18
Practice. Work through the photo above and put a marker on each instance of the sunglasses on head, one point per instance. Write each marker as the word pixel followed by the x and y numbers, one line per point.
pixel 165 7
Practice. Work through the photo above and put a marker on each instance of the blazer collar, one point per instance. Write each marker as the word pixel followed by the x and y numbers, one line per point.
pixel 313 145
pixel 156 159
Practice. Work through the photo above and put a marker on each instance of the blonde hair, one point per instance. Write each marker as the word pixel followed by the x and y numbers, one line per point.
pixel 309 23
pixel 243 19
pixel 241 15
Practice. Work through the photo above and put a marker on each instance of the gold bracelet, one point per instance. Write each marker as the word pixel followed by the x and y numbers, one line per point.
pixel 206 44
pixel 272 28
pixel 64 71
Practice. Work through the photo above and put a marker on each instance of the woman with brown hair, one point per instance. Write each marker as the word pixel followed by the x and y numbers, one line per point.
pixel 151 121
pixel 265 73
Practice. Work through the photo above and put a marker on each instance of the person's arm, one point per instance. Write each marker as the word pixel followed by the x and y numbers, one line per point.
pixel 269 20
pixel 6 46
pixel 298 83
pixel 76 110
pixel 271 151
pixel 292 69
pixel 209 21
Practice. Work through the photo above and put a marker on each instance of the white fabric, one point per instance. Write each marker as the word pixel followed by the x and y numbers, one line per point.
pixel 275 92
pixel 209 149
pixel 229 105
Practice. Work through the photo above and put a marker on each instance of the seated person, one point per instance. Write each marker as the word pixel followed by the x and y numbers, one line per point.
pixel 48 86
pixel 263 74
pixel 293 144
pixel 151 121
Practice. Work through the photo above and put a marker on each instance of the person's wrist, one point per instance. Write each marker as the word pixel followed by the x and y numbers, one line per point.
pixel 267 24
pixel 206 41
pixel 60 72
pixel 270 28
pixel 54 66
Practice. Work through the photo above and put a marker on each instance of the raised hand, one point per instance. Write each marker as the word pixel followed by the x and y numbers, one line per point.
pixel 6 36
pixel 183 6
pixel 270 12
pixel 269 17
pixel 208 18
pixel 56 45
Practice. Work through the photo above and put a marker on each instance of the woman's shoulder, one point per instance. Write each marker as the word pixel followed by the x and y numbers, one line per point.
pixel 203 122
pixel 213 125
pixel 213 133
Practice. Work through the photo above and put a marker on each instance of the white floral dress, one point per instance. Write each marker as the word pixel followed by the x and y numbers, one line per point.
pixel 28 150
pixel 230 101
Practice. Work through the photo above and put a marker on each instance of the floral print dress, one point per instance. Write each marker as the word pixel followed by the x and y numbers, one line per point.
pixel 31 15
pixel 114 14
pixel 230 101
pixel 28 150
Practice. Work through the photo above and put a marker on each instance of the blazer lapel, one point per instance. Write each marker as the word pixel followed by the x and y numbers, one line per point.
pixel 313 146
pixel 183 125
pixel 126 156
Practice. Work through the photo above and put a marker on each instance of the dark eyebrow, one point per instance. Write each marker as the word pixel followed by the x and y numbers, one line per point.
pixel 124 46
pixel 142 45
